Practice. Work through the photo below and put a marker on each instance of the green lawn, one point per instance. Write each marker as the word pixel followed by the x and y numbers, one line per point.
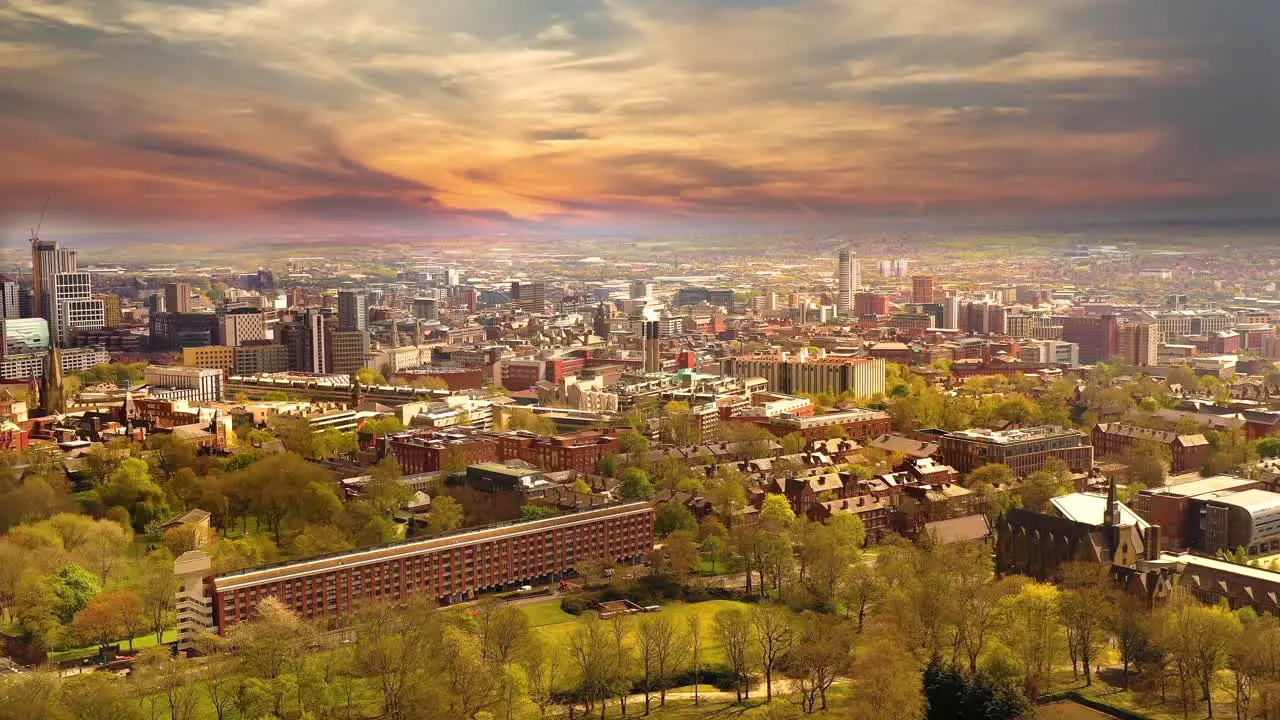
pixel 139 643
pixel 552 623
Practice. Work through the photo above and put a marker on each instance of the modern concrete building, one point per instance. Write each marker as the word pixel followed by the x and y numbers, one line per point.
pixel 353 310
pixel 259 357
pixel 346 350
pixel 800 373
pixel 848 281
pixel 184 383
pixel 241 325
pixel 217 357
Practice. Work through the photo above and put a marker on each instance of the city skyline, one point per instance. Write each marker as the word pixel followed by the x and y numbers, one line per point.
pixel 313 116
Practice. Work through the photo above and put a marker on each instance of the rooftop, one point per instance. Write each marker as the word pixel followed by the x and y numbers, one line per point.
pixel 1008 437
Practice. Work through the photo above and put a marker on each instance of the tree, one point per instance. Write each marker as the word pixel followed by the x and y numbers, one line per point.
pixel 662 648
pixel 112 615
pixel 384 489
pixel 542 662
pixel 369 376
pixel 1149 464
pixel 1029 628
pixel 156 585
pixel 774 637
pixel 99 696
pixel 1084 612
pixel 185 537
pixel 1198 639
pixel 890 684
pixel 776 514
pixel 1040 487
pixel 131 487
pixel 103 549
pixel 633 445
pixel 591 649
pixel 503 632
pixel 382 426
pixel 98 623
pixel 672 517
pixel 446 515
pixel 951 695
pixel 167 681
pixel 823 652
pixel 635 484
pixel 1269 447
pixel 1130 629
pixel 793 443
pixel 994 474
pixel 732 630
pixel 861 587
pixel 681 554
pixel 694 622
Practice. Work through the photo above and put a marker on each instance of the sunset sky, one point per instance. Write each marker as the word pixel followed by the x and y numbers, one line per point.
pixel 428 114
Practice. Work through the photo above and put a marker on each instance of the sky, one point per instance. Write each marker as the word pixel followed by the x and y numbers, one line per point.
pixel 612 114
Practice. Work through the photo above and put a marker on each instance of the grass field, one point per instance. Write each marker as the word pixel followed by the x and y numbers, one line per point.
pixel 139 643
pixel 552 623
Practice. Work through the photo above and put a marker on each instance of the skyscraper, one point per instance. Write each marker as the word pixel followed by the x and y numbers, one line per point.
pixel 922 289
pixel 353 310
pixel 530 297
pixel 74 306
pixel 177 297
pixel 47 260
pixel 850 281
pixel 9 304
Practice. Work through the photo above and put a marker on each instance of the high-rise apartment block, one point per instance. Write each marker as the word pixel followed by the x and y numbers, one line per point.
pixel 530 297
pixel 10 304
pixel 112 314
pixel 641 289
pixel 177 297
pixel 1140 344
pixel 74 306
pixel 425 308
pixel 353 310
pixel 849 281
pixel 922 289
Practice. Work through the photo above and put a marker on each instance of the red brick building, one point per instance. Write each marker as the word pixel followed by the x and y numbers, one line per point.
pixel 1188 452
pixel 446 569
pixel 580 451
pixel 857 424
pixel 424 452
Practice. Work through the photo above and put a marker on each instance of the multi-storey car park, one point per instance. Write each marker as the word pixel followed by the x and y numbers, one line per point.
pixel 447 569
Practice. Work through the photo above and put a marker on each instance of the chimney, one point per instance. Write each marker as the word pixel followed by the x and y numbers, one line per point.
pixel 862 500
pixel 1153 542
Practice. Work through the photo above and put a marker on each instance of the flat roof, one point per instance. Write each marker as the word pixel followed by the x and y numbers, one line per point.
pixel 1203 486
pixel 1252 500
pixel 356 558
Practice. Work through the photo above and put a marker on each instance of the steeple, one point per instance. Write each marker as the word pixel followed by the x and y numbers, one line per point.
pixel 54 402
pixel 1113 504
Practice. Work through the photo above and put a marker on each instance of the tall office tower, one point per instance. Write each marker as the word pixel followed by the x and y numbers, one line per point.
pixel 155 303
pixel 530 297
pixel 850 280
pixel 10 307
pixel 177 297
pixel 922 289
pixel 241 325
pixel 26 301
pixel 74 307
pixel 641 289
pixel 112 314
pixel 452 277
pixel 47 260
pixel 314 355
pixel 353 310
pixel 426 308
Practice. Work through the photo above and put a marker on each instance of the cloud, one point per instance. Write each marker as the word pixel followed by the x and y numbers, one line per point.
pixel 591 110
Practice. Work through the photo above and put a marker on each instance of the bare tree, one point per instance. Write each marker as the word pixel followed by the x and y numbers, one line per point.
pixel 733 631
pixel 822 653
pixel 774 637
pixel 663 648
pixel 542 663
pixel 695 647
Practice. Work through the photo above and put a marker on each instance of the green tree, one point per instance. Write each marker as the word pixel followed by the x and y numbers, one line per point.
pixel 635 484
pixel 793 443
pixel 382 426
pixel 993 474
pixel 446 515
pixel 673 517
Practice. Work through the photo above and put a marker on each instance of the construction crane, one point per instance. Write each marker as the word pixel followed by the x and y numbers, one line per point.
pixel 35 231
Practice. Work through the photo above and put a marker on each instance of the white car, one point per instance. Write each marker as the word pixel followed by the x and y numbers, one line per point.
pixel 525 588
